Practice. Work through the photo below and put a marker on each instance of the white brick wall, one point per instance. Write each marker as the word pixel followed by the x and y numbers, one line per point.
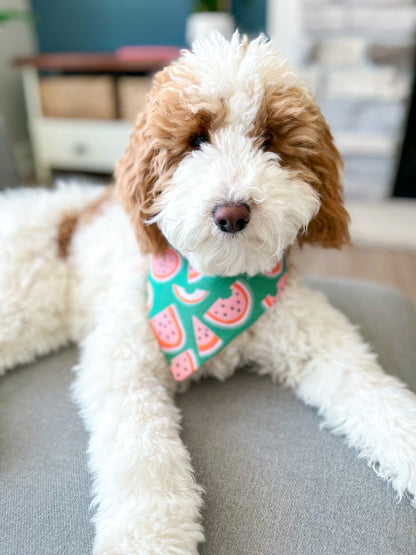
pixel 359 62
pixel 344 50
pixel 398 21
pixel 368 83
pixel 326 19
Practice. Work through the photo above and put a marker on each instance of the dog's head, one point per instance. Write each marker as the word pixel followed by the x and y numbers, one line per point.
pixel 232 161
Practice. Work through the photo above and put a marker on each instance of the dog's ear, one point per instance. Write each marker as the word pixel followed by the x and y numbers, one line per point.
pixel 137 177
pixel 329 228
pixel 304 143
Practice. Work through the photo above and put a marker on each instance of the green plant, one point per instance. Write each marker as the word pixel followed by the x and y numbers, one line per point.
pixel 211 5
pixel 13 15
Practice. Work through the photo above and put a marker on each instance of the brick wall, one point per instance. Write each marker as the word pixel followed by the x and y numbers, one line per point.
pixel 359 62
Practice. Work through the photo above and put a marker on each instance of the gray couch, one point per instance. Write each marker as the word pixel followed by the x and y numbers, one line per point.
pixel 275 483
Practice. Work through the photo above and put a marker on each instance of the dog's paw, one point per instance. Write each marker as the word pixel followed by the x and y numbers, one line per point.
pixel 398 467
pixel 403 483
pixel 166 540
pixel 152 547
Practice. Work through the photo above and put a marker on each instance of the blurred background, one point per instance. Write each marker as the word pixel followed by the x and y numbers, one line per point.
pixel 74 74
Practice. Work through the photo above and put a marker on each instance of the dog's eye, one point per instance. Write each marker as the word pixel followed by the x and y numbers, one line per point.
pixel 197 140
pixel 267 142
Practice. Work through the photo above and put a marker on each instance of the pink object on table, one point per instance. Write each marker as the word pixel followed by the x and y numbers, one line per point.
pixel 156 53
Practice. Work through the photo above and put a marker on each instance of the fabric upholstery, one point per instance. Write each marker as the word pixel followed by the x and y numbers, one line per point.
pixel 275 482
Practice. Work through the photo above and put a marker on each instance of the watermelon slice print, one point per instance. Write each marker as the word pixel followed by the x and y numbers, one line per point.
pixel 149 297
pixel 168 329
pixel 189 298
pixel 270 300
pixel 183 365
pixel 207 342
pixel 193 275
pixel 231 312
pixel 276 270
pixel 165 266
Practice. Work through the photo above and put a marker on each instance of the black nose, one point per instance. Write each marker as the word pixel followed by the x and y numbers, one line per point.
pixel 231 218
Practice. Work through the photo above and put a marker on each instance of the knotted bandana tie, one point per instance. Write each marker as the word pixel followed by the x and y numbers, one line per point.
pixel 194 316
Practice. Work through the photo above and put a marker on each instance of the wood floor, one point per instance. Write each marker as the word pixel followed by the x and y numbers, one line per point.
pixel 395 268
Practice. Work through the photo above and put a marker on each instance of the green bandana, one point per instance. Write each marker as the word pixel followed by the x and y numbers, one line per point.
pixel 195 316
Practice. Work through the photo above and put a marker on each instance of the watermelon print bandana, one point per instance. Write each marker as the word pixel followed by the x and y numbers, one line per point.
pixel 194 316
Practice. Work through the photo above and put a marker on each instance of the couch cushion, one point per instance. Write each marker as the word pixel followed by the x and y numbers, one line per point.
pixel 275 483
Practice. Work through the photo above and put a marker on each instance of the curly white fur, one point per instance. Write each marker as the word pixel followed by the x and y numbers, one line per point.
pixel 146 499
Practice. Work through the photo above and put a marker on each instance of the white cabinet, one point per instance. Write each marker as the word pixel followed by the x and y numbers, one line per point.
pixel 76 144
pixel 88 145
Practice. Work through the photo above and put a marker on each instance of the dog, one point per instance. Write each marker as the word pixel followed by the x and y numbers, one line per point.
pixel 230 163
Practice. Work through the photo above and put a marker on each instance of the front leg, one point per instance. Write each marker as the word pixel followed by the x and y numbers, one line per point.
pixel 146 499
pixel 321 355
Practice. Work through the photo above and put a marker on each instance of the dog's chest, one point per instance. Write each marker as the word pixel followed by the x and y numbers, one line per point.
pixel 256 346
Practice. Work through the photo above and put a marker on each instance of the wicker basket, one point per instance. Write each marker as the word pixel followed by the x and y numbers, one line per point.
pixel 88 97
pixel 132 93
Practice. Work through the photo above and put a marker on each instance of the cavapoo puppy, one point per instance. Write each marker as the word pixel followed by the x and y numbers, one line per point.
pixel 180 273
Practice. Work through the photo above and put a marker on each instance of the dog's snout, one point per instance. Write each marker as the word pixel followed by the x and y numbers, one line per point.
pixel 231 218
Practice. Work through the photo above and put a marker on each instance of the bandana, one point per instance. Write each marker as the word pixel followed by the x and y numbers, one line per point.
pixel 194 316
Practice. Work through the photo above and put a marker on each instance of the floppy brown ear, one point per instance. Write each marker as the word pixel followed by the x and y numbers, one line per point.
pixel 329 228
pixel 300 136
pixel 319 164
pixel 137 176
